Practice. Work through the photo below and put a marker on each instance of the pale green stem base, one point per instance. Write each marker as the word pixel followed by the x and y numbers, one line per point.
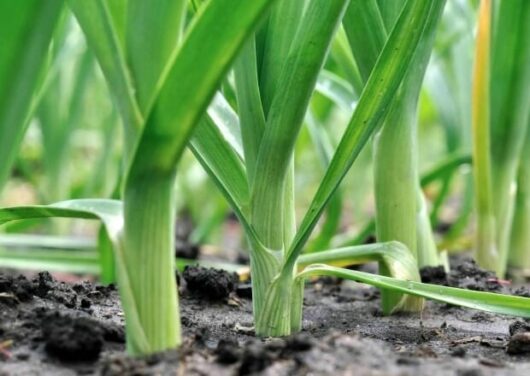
pixel 149 258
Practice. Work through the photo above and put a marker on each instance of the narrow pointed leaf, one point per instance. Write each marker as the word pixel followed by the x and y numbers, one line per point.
pixel 484 301
pixel 26 29
pixel 373 105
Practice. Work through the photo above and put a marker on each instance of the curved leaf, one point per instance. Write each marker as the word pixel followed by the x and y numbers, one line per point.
pixel 485 301
pixel 388 73
pixel 110 212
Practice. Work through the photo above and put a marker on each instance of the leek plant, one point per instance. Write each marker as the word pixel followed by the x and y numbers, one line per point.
pixel 448 83
pixel 171 97
pixel 401 211
pixel 269 127
pixel 501 94
pixel 174 101
pixel 27 28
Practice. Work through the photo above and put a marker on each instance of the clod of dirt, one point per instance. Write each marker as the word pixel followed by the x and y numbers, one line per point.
pixel 209 282
pixel 227 351
pixel 519 326
pixel 469 275
pixel 466 274
pixel 519 343
pixel 255 359
pixel 43 283
pixel 18 286
pixel 72 338
pixel 434 274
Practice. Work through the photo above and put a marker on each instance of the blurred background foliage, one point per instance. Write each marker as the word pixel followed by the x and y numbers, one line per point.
pixel 72 146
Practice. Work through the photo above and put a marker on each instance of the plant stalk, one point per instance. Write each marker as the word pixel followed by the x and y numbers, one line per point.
pixel 149 258
pixel 486 247
pixel 519 256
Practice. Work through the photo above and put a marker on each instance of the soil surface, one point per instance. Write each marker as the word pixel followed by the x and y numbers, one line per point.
pixel 54 328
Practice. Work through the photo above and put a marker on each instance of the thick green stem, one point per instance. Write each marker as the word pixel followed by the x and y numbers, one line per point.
pixel 286 91
pixel 400 206
pixel 510 96
pixel 395 178
pixel 486 247
pixel 519 257
pixel 149 258
pixel 281 300
pixel 264 266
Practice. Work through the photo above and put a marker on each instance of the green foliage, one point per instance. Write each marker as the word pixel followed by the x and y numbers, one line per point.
pixel 252 88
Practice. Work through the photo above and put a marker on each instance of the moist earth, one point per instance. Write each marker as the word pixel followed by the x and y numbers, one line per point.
pixel 49 327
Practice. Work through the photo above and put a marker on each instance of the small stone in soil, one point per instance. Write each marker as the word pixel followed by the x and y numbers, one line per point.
pixel 519 343
pixel 72 338
pixel 212 283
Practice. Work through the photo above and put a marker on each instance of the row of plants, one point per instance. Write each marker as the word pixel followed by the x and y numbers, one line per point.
pixel 238 84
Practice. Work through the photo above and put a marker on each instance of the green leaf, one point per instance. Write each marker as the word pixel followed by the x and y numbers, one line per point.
pixel 188 85
pixel 249 105
pixel 153 30
pixel 484 301
pixel 366 33
pixel 371 110
pixel 227 121
pixel 26 29
pixel 110 212
pixel 51 260
pixel 222 164
pixel 293 91
pixel 510 97
pixel 215 36
pixel 279 33
pixel 98 25
pixel 59 113
pixel 321 140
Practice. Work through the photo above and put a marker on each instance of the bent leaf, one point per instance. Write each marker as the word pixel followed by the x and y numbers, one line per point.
pixel 484 301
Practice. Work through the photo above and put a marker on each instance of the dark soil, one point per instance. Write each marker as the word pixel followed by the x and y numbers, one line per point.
pixel 466 274
pixel 53 328
pixel 209 282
